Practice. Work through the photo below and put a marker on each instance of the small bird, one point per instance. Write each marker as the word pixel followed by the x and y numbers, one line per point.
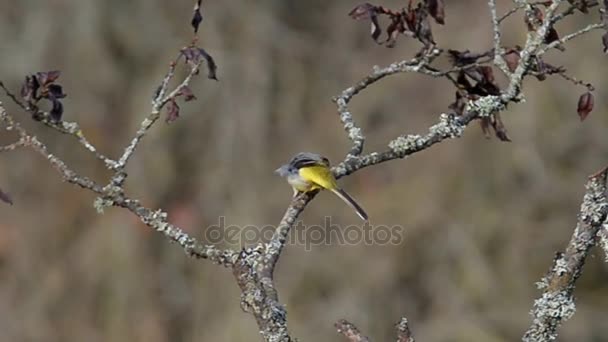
pixel 308 171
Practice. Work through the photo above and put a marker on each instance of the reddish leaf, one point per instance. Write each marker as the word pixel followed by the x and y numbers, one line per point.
pixel 197 17
pixel 511 57
pixel 499 128
pixel 172 111
pixel 392 31
pixel 585 105
pixel 193 56
pixel 187 93
pixel 4 197
pixel 484 123
pixel 47 77
pixel 488 73
pixel 437 10
pixel 368 11
pixel 363 11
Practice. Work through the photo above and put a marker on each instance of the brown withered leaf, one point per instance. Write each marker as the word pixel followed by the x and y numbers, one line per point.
pixel 187 93
pixel 368 11
pixel 485 125
pixel 172 111
pixel 194 55
pixel 211 66
pixel 363 11
pixel 499 127
pixel 423 27
pixel 6 198
pixel 460 103
pixel 41 85
pixel 463 82
pixel 553 36
pixel 585 105
pixel 487 73
pixel 581 5
pixel 47 77
pixel 392 31
pixel 56 110
pixel 512 58
pixel 605 42
pixel 197 17
pixel 29 89
pixel 437 10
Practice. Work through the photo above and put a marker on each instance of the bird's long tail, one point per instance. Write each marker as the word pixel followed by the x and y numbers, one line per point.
pixel 351 203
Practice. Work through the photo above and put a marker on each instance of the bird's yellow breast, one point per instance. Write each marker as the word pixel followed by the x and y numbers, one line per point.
pixel 319 176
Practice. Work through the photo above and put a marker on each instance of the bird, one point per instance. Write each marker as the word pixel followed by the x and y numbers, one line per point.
pixel 307 171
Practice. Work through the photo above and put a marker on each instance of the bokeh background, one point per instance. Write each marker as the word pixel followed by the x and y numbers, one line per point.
pixel 482 219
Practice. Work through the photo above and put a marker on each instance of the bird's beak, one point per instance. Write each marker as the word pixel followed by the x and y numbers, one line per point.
pixel 282 171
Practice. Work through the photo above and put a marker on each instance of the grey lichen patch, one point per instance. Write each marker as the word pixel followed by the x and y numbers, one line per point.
pixel 555 305
pixel 406 143
pixel 448 127
pixel 561 267
pixel 485 106
pixel 594 207
pixel 101 203
pixel 355 134
pixel 549 312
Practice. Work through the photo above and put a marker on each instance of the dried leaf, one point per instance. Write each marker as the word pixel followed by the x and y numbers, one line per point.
pixel 55 91
pixel 197 17
pixel 375 29
pixel 56 111
pixel 193 56
pixel 553 36
pixel 605 42
pixel 4 197
pixel 363 11
pixel 172 111
pixel 585 105
pixel 499 128
pixel 512 58
pixel 423 27
pixel 211 66
pixel 460 103
pixel 392 31
pixel 47 77
pixel 187 93
pixel 484 123
pixel 487 73
pixel 437 10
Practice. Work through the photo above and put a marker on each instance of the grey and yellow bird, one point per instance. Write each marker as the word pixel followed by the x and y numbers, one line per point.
pixel 308 171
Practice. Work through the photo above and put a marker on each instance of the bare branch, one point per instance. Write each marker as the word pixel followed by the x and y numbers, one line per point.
pixel 350 331
pixel 556 303
pixel 404 333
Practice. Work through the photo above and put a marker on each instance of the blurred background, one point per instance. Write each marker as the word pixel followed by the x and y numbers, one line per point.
pixel 481 219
